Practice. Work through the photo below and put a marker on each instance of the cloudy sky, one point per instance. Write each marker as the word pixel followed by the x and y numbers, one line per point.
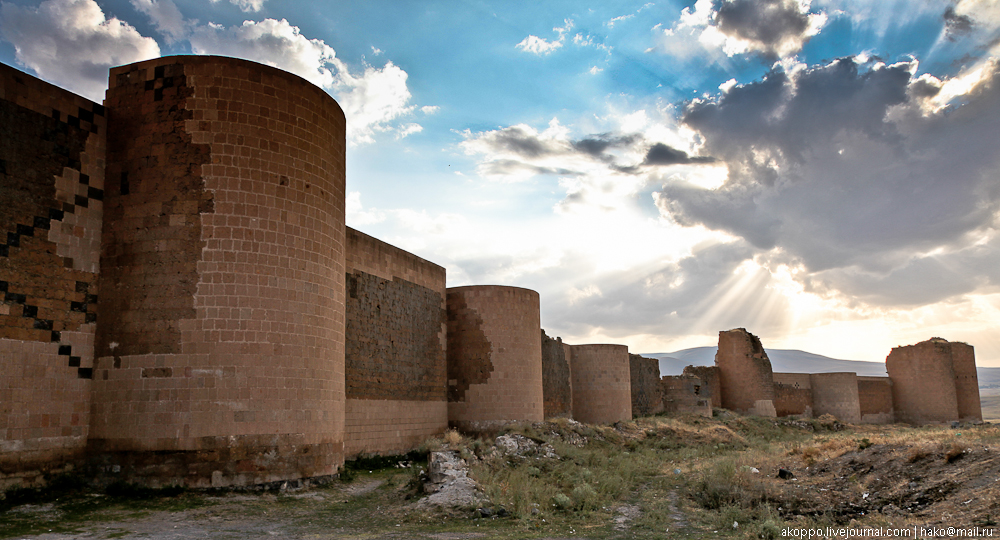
pixel 825 174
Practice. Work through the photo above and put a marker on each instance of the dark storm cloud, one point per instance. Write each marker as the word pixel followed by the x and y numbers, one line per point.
pixel 597 145
pixel 519 141
pixel 956 25
pixel 840 169
pixel 767 23
pixel 510 166
pixel 661 154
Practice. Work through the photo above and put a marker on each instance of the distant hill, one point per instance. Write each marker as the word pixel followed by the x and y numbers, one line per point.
pixel 795 361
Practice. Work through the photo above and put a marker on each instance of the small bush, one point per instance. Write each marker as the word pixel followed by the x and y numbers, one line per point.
pixel 864 443
pixel 585 497
pixel 562 502
pixel 955 452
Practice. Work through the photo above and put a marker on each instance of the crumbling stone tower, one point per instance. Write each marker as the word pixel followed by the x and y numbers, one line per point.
pixel 220 353
pixel 745 377
pixel 934 381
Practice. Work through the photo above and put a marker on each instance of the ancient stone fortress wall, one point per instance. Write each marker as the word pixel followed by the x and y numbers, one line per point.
pixel 710 388
pixel 557 388
pixel 793 394
pixel 601 384
pixel 684 394
pixel 875 397
pixel 836 394
pixel 52 152
pixel 926 382
pixel 395 366
pixel 645 385
pixel 963 359
pixel 220 354
pixel 745 376
pixel 494 356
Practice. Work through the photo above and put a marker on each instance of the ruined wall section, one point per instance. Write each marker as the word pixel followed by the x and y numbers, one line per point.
pixel 875 396
pixel 601 384
pixel 647 393
pixel 494 356
pixel 557 388
pixel 684 394
pixel 709 376
pixel 793 394
pixel 52 151
pixel 963 358
pixel 836 394
pixel 395 365
pixel 745 376
pixel 923 387
pixel 221 360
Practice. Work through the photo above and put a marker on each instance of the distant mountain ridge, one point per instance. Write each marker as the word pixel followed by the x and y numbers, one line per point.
pixel 794 361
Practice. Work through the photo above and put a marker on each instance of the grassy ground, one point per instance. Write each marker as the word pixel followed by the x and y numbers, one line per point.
pixel 657 477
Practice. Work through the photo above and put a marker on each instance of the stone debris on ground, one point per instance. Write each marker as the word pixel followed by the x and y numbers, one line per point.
pixel 448 483
pixel 516 445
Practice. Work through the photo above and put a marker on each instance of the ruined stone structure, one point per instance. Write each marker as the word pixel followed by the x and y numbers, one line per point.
pixel 182 303
pixel 557 383
pixel 601 383
pixel 683 394
pixel 793 394
pixel 709 376
pixel 647 394
pixel 934 381
pixel 745 377
pixel 494 356
pixel 395 365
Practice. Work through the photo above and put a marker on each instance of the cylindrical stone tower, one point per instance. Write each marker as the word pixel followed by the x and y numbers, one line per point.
pixel 494 356
pixel 923 382
pixel 836 394
pixel 220 353
pixel 602 390
pixel 746 380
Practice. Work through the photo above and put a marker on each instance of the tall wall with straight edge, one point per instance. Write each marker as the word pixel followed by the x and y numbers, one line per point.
pixel 494 356
pixel 602 391
pixel 220 354
pixel 557 388
pixel 923 382
pixel 395 367
pixel 963 358
pixel 836 394
pixel 875 395
pixel 645 385
pixel 52 145
pixel 745 375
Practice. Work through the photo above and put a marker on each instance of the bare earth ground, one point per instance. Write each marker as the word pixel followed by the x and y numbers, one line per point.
pixel 698 478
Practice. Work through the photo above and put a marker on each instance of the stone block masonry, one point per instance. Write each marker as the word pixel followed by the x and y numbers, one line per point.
pixel 494 356
pixel 222 359
pixel 601 383
pixel 793 394
pixel 709 376
pixel 645 386
pixel 683 394
pixel 927 379
pixel 836 394
pixel 52 152
pixel 395 365
pixel 745 376
pixel 875 396
pixel 557 387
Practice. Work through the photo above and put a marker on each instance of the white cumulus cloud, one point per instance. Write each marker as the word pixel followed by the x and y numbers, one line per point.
pixel 72 44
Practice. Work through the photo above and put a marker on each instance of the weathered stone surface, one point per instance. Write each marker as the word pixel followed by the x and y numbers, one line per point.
pixel 557 387
pixel 448 484
pixel 745 376
pixel 647 394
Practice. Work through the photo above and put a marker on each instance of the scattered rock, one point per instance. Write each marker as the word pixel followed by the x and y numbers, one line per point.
pixel 624 515
pixel 513 444
pixel 448 483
